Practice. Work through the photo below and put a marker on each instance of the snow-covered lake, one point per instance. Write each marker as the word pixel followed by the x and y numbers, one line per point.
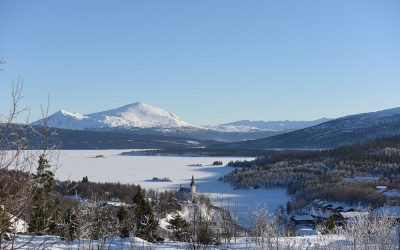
pixel 75 164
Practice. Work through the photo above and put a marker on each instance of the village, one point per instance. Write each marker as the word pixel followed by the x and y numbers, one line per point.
pixel 322 216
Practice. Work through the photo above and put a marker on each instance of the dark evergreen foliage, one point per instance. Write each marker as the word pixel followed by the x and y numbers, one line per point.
pixel 145 223
pixel 179 228
pixel 125 222
pixel 71 225
pixel 41 207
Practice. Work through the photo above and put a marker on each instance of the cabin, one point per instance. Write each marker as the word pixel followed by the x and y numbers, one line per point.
pixel 302 220
pixel 326 206
pixel 348 209
pixel 350 216
pixel 337 208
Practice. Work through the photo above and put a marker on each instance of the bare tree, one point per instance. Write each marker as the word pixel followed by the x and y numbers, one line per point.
pixel 263 226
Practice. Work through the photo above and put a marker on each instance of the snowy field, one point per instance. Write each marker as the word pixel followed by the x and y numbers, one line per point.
pixel 75 164
pixel 320 242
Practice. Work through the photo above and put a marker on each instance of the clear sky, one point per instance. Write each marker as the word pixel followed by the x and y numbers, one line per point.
pixel 206 61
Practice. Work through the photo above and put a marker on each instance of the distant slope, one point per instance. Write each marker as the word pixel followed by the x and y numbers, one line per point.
pixel 342 131
pixel 34 138
pixel 275 125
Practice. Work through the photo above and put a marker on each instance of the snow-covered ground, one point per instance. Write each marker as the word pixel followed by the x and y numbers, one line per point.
pixel 293 243
pixel 75 164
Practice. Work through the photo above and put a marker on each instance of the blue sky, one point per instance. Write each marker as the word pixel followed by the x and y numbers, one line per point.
pixel 206 61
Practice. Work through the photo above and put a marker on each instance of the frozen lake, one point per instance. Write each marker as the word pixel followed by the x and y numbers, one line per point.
pixel 75 164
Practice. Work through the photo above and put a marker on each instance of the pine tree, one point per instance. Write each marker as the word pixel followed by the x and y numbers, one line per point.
pixel 41 200
pixel 179 228
pixel 125 222
pixel 145 223
pixel 71 225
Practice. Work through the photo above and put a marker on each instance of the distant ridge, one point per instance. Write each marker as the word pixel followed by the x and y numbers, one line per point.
pixel 338 132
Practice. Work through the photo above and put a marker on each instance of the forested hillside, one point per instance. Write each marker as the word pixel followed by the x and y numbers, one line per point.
pixel 320 174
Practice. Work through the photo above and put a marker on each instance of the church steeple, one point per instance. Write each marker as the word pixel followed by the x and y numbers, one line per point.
pixel 192 187
pixel 193 183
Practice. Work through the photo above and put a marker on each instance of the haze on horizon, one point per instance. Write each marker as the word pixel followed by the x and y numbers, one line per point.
pixel 208 62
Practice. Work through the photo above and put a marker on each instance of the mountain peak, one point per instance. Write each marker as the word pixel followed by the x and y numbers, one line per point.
pixel 77 116
pixel 134 115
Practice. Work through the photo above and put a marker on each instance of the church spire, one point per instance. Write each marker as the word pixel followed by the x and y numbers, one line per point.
pixel 193 183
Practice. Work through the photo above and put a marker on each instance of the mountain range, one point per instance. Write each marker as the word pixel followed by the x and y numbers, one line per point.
pixel 144 119
pixel 139 119
pixel 346 130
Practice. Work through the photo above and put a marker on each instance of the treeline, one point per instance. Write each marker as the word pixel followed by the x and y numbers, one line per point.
pixel 318 174
pixel 199 152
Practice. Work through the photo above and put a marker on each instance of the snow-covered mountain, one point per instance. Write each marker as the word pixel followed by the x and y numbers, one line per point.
pixel 338 132
pixel 284 126
pixel 144 119
pixel 135 115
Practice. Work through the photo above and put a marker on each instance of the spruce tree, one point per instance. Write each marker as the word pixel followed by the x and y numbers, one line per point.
pixel 71 225
pixel 145 223
pixel 179 228
pixel 125 222
pixel 41 201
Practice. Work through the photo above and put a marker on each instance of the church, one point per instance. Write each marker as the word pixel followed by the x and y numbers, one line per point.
pixel 188 194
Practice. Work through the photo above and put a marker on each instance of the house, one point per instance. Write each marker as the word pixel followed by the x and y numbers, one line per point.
pixel 348 209
pixel 326 206
pixel 320 203
pixel 351 216
pixel 323 218
pixel 337 208
pixel 302 220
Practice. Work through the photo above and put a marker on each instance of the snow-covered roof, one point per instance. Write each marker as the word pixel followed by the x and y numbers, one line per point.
pixel 347 209
pixel 325 215
pixel 326 204
pixel 304 217
pixel 337 206
pixel 302 230
pixel 352 215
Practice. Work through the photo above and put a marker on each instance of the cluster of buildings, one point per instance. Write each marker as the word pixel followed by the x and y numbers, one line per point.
pixel 339 214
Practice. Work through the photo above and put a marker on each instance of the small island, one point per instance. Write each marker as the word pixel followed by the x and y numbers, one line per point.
pixel 196 165
pixel 99 156
pixel 217 163
pixel 164 179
